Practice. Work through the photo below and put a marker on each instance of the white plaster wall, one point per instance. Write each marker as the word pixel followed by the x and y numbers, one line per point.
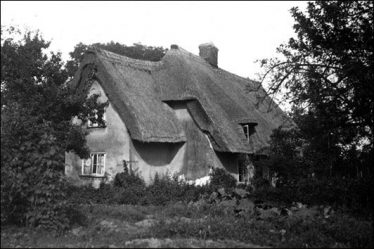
pixel 114 140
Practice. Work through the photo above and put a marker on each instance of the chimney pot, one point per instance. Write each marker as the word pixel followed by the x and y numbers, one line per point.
pixel 209 52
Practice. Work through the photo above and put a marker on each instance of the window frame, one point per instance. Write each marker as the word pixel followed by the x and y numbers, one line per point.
pixel 92 155
pixel 248 128
pixel 246 131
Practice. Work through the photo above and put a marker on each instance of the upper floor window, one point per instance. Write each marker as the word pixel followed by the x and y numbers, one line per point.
pixel 248 130
pixel 97 120
pixel 95 165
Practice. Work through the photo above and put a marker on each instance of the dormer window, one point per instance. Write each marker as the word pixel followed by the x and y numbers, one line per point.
pixel 248 129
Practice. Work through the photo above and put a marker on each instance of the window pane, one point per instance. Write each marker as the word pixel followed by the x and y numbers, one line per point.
pixel 101 164
pixel 101 159
pixel 94 164
pixel 100 169
pixel 246 130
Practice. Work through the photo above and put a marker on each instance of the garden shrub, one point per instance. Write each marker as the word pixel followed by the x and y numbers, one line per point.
pixel 163 190
pixel 77 216
pixel 132 195
pixel 82 194
pixel 222 179
pixel 127 178
pixel 128 188
pixel 354 195
pixel 33 189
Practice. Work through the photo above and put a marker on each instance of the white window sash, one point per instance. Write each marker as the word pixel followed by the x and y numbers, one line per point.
pixel 99 165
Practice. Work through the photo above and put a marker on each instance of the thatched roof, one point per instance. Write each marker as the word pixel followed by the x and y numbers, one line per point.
pixel 131 90
pixel 222 97
pixel 216 99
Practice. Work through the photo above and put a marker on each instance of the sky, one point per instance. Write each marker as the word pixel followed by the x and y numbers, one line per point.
pixel 243 31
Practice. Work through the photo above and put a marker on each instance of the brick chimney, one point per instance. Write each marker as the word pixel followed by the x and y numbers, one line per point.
pixel 209 52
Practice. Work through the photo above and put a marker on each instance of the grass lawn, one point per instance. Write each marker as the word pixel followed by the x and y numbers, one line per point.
pixel 195 225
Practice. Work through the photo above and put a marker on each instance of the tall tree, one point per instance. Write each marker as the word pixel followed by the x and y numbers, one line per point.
pixel 327 73
pixel 36 129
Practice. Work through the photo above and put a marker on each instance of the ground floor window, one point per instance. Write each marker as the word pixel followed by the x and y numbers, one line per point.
pixel 95 165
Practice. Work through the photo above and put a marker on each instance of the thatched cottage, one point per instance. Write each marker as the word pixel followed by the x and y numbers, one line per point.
pixel 181 115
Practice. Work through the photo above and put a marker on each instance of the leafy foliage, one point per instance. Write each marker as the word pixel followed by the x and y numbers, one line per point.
pixel 127 178
pixel 327 74
pixel 299 232
pixel 285 158
pixel 302 179
pixel 164 190
pixel 32 183
pixel 129 188
pixel 36 129
pixel 198 226
pixel 222 179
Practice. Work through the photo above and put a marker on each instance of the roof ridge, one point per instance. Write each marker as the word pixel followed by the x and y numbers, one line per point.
pixel 127 61
pixel 190 55
pixel 197 58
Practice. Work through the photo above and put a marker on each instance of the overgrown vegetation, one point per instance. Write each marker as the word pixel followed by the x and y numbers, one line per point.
pixel 37 108
pixel 129 188
pixel 300 181
pixel 272 231
pixel 267 216
pixel 180 225
pixel 326 72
